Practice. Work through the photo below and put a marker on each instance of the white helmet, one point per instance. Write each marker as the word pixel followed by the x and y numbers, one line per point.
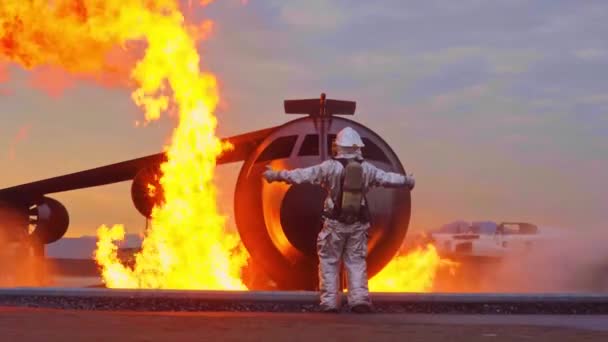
pixel 348 137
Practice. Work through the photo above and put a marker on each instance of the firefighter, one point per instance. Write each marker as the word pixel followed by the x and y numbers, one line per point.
pixel 346 218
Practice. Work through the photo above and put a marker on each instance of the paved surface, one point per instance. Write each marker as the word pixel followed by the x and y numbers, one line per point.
pixel 26 324
pixel 170 300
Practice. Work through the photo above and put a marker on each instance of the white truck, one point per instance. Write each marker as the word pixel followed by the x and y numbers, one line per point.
pixel 485 239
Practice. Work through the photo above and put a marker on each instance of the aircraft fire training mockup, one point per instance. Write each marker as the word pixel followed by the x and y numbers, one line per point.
pixel 277 223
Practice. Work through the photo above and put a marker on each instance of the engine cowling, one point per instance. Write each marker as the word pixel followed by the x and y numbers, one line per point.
pixel 49 219
pixel 146 191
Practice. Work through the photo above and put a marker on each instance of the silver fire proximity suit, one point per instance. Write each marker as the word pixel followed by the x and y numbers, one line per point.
pixel 339 241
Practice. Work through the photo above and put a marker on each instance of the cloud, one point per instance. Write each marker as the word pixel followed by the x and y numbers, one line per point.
pixel 599 99
pixel 592 54
pixel 312 15
pixel 484 91
pixel 500 60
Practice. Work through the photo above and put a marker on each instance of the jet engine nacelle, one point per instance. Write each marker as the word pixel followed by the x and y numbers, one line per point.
pixel 146 191
pixel 44 220
pixel 49 219
pixel 278 223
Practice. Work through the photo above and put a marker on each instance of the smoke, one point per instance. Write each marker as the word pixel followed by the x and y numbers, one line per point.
pixel 22 134
pixel 4 77
pixel 55 81
pixel 19 263
pixel 51 80
pixel 74 41
pixel 3 72
pixel 561 261
pixel 567 261
pixel 20 267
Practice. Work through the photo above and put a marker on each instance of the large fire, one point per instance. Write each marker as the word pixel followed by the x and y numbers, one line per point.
pixel 411 272
pixel 186 245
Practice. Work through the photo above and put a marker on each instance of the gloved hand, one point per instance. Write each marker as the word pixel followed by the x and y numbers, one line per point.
pixel 270 175
pixel 410 180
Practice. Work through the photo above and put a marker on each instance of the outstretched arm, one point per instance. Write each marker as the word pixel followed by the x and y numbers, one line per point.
pixel 390 179
pixel 312 175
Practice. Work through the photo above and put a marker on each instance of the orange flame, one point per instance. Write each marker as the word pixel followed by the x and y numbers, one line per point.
pixel 186 246
pixel 411 272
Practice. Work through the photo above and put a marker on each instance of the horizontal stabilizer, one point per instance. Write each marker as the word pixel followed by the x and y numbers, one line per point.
pixel 320 107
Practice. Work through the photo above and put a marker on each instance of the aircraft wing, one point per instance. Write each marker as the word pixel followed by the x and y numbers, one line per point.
pixel 243 144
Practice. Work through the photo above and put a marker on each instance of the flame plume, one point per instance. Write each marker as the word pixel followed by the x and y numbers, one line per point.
pixel 186 246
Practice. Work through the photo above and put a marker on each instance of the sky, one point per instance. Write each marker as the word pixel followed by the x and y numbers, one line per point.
pixel 498 108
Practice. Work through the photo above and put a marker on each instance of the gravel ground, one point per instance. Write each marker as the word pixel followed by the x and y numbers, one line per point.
pixel 163 304
pixel 104 299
